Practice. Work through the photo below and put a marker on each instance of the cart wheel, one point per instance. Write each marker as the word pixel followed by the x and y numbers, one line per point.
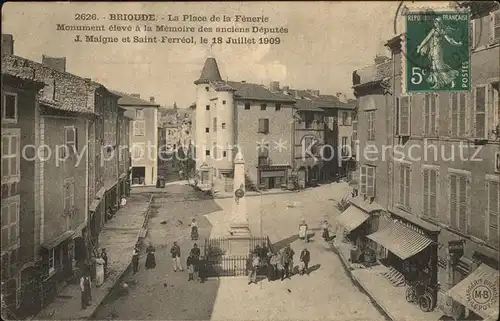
pixel 411 294
pixel 425 302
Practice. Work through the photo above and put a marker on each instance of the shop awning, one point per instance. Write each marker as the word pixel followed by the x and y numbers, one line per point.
pixel 100 193
pixel 351 218
pixel 478 291
pixel 400 240
pixel 58 240
pixel 94 205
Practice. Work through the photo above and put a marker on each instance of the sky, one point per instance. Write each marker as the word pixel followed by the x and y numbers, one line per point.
pixel 325 43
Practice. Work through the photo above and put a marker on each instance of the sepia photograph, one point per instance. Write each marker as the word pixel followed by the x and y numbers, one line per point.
pixel 250 160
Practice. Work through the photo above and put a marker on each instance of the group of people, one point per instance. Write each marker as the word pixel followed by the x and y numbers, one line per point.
pixel 195 262
pixel 101 262
pixel 279 265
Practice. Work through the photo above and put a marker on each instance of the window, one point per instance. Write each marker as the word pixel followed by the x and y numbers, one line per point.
pixel 224 153
pixel 263 106
pixel 458 114
pixel 371 125
pixel 430 114
pixel 344 146
pixel 458 201
pixel 223 125
pixel 309 118
pixel 277 107
pixel 493 212
pixel 139 127
pixel 10 155
pixel 215 124
pixel 404 111
pixel 69 196
pixel 345 118
pixel 207 152
pixel 10 223
pixel 263 125
pixel 309 143
pixel 354 135
pixel 139 114
pixel 207 130
pixel 71 251
pixel 247 106
pixel 9 113
pixel 404 185
pixel 207 107
pixel 263 152
pixel 367 180
pixel 495 26
pixel 223 102
pixel 52 261
pixel 70 135
pixel 481 111
pixel 430 188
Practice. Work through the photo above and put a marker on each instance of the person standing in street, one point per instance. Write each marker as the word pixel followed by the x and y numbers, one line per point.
pixel 305 257
pixel 175 251
pixel 135 260
pixel 252 276
pixel 190 263
pixel 99 279
pixel 104 256
pixel 272 267
pixel 287 261
pixel 325 227
pixel 195 251
pixel 202 269
pixel 85 285
pixel 150 257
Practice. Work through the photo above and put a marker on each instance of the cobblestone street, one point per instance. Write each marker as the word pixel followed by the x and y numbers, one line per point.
pixel 162 294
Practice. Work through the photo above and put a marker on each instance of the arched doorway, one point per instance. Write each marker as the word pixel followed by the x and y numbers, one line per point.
pixel 301 176
pixel 314 175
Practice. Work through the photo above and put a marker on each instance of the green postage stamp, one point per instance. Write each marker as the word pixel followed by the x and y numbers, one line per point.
pixel 437 54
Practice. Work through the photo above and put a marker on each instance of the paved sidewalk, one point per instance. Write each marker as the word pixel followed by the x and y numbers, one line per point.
pixel 387 297
pixel 118 237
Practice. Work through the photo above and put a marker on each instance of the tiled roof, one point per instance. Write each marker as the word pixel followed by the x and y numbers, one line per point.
pixel 375 73
pixel 309 101
pixel 63 107
pixel 257 92
pixel 131 101
pixel 24 77
pixel 209 73
pixel 307 105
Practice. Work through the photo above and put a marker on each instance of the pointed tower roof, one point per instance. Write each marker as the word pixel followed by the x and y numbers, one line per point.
pixel 209 73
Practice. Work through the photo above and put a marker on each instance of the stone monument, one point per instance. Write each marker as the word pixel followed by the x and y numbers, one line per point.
pixel 239 228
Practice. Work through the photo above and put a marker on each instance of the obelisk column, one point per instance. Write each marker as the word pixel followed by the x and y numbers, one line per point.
pixel 239 228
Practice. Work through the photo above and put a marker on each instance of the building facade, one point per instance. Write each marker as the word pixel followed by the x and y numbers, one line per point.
pixel 20 200
pixel 231 115
pixel 143 137
pixel 427 185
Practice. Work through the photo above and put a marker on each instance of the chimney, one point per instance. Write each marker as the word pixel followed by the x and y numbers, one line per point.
pixel 314 92
pixel 57 63
pixel 243 81
pixel 286 88
pixel 379 59
pixel 7 44
pixel 341 97
pixel 274 86
pixel 135 95
pixel 152 99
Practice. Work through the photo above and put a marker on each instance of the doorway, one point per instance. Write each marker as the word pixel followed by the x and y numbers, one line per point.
pixel 138 175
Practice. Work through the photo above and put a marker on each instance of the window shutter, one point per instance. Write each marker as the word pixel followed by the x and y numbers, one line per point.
pixel 261 125
pixel 401 185
pixel 432 114
pixel 426 198
pixel 370 181
pixel 266 125
pixel 363 180
pixel 453 200
pixel 493 211
pixel 462 114
pixel 407 185
pixel 495 26
pixel 398 103
pixel 404 116
pixel 215 124
pixel 427 108
pixel 453 124
pixel 462 204
pixel 433 186
pixel 76 138
pixel 480 111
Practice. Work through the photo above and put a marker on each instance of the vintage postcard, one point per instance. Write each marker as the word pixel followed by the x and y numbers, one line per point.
pixel 242 160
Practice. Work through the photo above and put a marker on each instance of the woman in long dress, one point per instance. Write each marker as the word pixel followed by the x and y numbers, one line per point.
pixel 440 74
pixel 303 230
pixel 194 230
pixel 150 257
pixel 99 278
pixel 326 234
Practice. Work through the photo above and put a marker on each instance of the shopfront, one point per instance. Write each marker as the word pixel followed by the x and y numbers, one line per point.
pixel 273 176
pixel 410 251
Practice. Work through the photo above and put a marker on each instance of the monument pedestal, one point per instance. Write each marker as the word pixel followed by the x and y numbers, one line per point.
pixel 239 239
